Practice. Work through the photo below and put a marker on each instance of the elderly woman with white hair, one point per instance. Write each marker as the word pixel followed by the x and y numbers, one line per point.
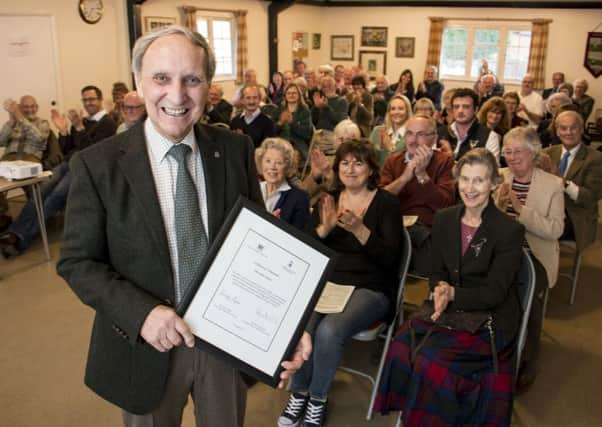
pixel 276 161
pixel 584 101
pixel 535 199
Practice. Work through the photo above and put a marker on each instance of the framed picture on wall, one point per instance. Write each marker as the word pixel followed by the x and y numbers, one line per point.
pixel 341 48
pixel 374 36
pixel 316 41
pixel 374 62
pixel 404 47
pixel 154 23
pixel 593 54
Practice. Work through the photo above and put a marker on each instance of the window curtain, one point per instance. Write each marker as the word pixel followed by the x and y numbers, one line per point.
pixel 240 16
pixel 537 52
pixel 241 44
pixel 433 54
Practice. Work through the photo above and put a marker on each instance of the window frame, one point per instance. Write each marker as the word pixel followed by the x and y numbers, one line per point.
pixel 211 16
pixel 504 27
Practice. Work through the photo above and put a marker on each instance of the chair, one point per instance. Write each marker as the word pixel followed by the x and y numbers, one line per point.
pixel 574 275
pixel 375 331
pixel 526 291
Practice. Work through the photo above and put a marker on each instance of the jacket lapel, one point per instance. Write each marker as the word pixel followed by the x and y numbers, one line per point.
pixel 577 162
pixel 135 166
pixel 212 155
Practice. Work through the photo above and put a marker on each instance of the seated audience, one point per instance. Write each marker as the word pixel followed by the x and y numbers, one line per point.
pixel 581 169
pixel 466 133
pixel 430 87
pixel 439 376
pixel 299 68
pixel 276 162
pixel 293 120
pixel 531 103
pixel 361 223
pixel 321 177
pixel 84 132
pixel 25 136
pixel 119 91
pixel 134 111
pixel 276 88
pixel 252 121
pixel 584 101
pixel 389 137
pixel 567 89
pixel 512 101
pixel 405 85
pixel 421 178
pixel 445 118
pixel 424 107
pixel 218 110
pixel 328 107
pixel 557 80
pixel 360 105
pixel 485 88
pixel 535 199
pixel 381 94
pixel 287 77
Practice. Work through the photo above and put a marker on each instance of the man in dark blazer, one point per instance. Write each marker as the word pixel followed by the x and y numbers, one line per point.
pixel 121 253
pixel 582 176
pixel 252 121
pixel 557 80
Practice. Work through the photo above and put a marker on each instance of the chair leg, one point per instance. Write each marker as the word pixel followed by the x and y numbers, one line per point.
pixel 379 373
pixel 575 276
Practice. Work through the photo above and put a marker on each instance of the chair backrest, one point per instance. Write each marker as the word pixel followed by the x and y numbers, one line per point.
pixel 406 255
pixel 526 290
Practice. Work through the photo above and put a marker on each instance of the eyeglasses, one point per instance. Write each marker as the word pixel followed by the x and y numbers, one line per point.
pixel 89 99
pixel 517 152
pixel 132 107
pixel 418 134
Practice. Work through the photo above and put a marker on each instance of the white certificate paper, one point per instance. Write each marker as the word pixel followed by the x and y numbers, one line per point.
pixel 256 292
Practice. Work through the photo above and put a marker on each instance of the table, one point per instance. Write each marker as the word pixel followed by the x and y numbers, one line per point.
pixel 34 182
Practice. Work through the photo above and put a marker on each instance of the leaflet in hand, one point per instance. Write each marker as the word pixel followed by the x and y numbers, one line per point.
pixel 334 298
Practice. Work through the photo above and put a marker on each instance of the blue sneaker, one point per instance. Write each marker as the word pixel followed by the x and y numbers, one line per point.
pixel 315 414
pixel 292 413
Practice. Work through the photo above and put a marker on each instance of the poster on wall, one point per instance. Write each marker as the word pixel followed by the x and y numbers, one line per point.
pixel 300 44
pixel 593 54
pixel 316 41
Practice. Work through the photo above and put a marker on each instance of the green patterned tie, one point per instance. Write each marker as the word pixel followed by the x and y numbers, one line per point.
pixel 190 234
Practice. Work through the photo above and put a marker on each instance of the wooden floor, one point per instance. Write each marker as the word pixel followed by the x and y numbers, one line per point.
pixel 45 330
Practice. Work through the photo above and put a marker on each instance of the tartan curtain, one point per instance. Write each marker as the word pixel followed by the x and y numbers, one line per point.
pixel 537 52
pixel 241 43
pixel 434 47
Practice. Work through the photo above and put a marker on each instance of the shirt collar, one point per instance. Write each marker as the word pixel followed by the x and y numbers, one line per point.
pixel 160 145
pixel 285 186
pixel 96 117
pixel 573 150
pixel 252 117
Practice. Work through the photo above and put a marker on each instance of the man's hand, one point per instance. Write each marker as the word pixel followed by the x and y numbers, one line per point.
pixel 59 121
pixel 302 353
pixel 423 157
pixel 319 100
pixel 319 164
pixel 76 119
pixel 164 329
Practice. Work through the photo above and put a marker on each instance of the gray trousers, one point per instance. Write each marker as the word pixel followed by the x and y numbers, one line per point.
pixel 217 389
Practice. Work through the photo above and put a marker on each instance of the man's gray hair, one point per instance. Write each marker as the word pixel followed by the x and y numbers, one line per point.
pixel 195 38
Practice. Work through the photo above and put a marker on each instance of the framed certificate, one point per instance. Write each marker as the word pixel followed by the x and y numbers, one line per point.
pixel 255 291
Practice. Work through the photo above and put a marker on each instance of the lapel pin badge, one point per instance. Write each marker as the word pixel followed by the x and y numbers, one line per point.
pixel 216 154
pixel 478 246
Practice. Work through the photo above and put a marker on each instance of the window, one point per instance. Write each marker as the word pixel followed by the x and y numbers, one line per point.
pixel 219 30
pixel 505 47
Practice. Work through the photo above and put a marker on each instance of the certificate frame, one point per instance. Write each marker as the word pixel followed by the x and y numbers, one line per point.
pixel 208 305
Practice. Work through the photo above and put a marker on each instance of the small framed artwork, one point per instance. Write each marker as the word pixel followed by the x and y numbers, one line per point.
pixel 404 47
pixel 374 62
pixel 593 54
pixel 341 48
pixel 154 23
pixel 374 36
pixel 316 41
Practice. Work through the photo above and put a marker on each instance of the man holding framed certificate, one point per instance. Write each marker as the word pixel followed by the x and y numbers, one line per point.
pixel 143 209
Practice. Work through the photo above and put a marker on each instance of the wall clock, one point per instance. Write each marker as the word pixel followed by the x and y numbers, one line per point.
pixel 91 10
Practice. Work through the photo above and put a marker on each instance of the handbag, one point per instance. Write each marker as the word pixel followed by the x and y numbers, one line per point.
pixel 467 321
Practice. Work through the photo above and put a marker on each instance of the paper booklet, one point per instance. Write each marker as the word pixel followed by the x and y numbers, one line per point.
pixel 334 298
pixel 409 220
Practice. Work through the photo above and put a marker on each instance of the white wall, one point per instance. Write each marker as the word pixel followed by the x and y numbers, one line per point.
pixel 257 29
pixel 567 37
pixel 87 54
